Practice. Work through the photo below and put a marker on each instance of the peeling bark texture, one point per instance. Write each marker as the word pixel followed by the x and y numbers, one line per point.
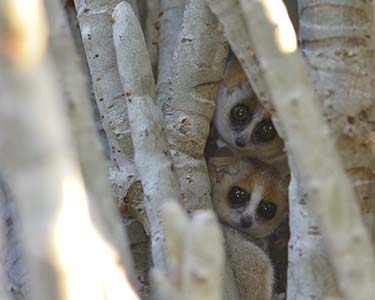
pixel 232 20
pixel 86 142
pixel 152 156
pixel 11 251
pixel 337 40
pixel 332 195
pixel 171 16
pixel 95 19
pixel 195 257
pixel 199 62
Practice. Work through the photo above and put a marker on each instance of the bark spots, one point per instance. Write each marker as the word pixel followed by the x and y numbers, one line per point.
pixel 342 53
pixel 184 40
pixel 189 179
pixel 313 230
pixel 157 25
pixel 118 97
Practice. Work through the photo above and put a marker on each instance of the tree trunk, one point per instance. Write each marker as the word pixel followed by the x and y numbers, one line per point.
pixel 337 43
pixel 60 237
pixel 331 193
pixel 151 152
pixel 95 19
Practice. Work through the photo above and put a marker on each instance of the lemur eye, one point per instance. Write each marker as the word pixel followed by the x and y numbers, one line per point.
pixel 240 115
pixel 237 197
pixel 266 210
pixel 265 131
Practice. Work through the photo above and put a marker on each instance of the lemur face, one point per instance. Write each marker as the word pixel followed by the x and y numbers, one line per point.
pixel 241 120
pixel 248 195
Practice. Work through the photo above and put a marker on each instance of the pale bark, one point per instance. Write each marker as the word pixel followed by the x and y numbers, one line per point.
pixel 232 20
pixel 90 155
pixel 4 286
pixel 199 61
pixel 12 252
pixel 95 19
pixel 342 74
pixel 151 150
pixel 195 249
pixel 61 242
pixel 171 16
pixel 310 274
pixel 332 195
pixel 4 295
pixel 151 29
pixel 338 44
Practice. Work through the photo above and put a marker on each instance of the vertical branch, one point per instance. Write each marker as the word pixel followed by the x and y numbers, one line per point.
pixel 91 159
pixel 196 255
pixel 332 195
pixel 307 253
pixel 198 70
pixel 171 16
pixel 4 295
pixel 61 242
pixel 151 150
pixel 95 19
pixel 231 18
pixel 151 29
pixel 338 44
pixel 12 251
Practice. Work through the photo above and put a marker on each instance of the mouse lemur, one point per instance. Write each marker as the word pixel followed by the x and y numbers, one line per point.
pixel 241 120
pixel 251 201
pixel 248 194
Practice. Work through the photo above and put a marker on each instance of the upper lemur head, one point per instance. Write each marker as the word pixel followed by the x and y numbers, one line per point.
pixel 241 120
pixel 248 194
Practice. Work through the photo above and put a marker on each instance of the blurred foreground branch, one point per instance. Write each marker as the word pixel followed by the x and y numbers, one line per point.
pixel 61 241
pixel 333 197
pixel 195 257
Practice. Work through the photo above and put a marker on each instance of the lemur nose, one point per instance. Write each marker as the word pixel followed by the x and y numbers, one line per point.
pixel 240 142
pixel 246 221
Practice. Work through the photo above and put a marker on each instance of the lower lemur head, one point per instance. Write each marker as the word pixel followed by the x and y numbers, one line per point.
pixel 241 120
pixel 248 195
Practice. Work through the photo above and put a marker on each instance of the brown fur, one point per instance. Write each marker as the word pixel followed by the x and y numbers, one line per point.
pixel 237 90
pixel 262 181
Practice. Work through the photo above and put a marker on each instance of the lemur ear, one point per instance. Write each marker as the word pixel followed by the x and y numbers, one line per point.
pixel 219 166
